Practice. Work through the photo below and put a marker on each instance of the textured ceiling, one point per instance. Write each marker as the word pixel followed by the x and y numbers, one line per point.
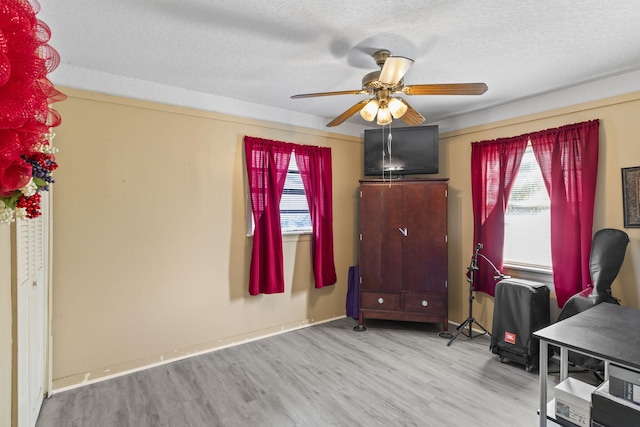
pixel 263 52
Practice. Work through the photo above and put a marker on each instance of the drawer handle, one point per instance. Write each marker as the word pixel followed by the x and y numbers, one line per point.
pixel 380 300
pixel 425 303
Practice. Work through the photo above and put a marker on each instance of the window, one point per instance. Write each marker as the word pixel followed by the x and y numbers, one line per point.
pixel 527 239
pixel 569 153
pixel 294 210
pixel 271 161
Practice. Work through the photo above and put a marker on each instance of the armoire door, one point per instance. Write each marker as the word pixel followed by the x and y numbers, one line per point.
pixel 424 260
pixel 370 238
pixel 381 238
pixel 393 235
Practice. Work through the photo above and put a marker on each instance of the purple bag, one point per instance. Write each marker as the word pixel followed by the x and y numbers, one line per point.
pixel 353 303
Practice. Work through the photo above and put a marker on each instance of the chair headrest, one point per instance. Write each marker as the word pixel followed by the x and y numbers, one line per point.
pixel 607 254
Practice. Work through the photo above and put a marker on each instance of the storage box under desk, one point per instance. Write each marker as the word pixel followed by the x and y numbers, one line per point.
pixel 573 401
pixel 624 383
pixel 612 411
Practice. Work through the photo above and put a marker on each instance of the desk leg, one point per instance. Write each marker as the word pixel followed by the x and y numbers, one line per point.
pixel 564 363
pixel 543 368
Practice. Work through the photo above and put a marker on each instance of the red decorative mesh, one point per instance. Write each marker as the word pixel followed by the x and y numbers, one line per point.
pixel 5 66
pixel 15 172
pixel 25 91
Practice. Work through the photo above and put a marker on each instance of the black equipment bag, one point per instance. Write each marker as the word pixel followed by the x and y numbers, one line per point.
pixel 520 308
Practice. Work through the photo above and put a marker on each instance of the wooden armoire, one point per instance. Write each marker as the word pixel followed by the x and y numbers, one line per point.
pixel 403 250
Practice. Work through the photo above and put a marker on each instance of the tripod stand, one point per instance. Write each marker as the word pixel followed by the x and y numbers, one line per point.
pixel 473 267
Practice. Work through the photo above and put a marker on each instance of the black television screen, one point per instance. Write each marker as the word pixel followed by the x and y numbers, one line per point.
pixel 410 150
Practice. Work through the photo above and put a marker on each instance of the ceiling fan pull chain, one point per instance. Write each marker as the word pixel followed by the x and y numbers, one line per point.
pixel 389 138
pixel 382 152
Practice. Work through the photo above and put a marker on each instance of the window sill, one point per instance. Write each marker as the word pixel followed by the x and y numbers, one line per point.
pixel 291 236
pixel 529 272
pixel 295 233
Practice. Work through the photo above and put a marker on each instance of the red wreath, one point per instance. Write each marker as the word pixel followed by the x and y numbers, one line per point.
pixel 25 91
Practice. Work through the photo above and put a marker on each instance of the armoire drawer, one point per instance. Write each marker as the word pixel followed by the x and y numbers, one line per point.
pixel 380 301
pixel 428 303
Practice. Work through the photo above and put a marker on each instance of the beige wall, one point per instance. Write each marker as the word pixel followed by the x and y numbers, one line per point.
pixel 619 147
pixel 150 242
pixel 5 326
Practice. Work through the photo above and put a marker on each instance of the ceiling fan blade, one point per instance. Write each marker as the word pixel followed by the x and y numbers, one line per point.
pixel 394 69
pixel 350 112
pixel 411 116
pixel 340 92
pixel 446 89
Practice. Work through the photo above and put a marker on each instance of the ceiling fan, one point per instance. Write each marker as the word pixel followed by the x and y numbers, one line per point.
pixel 385 83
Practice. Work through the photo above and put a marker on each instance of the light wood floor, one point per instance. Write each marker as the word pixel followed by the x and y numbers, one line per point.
pixel 394 374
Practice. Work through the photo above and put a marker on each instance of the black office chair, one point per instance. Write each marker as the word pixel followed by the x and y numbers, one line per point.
pixel 607 254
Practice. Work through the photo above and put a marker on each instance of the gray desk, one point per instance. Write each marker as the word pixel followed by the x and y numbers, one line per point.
pixel 607 331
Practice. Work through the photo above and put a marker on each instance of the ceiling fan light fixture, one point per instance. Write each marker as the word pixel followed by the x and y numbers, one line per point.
pixel 397 108
pixel 384 116
pixel 370 110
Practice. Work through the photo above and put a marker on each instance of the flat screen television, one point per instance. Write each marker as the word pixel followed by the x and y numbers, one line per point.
pixel 410 151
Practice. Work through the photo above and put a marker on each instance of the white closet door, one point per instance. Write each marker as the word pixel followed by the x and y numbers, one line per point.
pixel 31 262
